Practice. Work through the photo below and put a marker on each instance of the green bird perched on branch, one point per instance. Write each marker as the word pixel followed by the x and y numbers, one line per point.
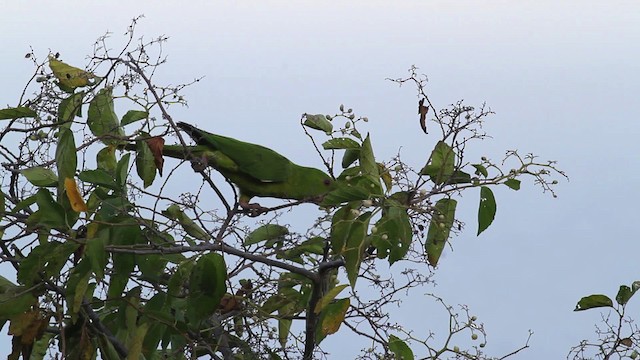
pixel 254 169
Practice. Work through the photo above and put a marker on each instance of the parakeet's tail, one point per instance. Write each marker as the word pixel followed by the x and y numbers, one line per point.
pixel 195 133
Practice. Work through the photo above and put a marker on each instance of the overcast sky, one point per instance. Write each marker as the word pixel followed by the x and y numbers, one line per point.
pixel 562 77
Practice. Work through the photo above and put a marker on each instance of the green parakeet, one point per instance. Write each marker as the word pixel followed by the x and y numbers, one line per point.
pixel 254 169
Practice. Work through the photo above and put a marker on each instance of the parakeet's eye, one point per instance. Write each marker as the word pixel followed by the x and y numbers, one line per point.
pixel 327 182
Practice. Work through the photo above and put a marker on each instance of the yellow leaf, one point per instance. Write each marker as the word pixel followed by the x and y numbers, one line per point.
pixel 68 75
pixel 386 177
pixel 92 229
pixel 28 326
pixel 21 323
pixel 77 203
pixel 334 316
pixel 135 343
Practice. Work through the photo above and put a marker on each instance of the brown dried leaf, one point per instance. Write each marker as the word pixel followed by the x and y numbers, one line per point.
pixel 156 144
pixel 422 111
pixel 229 303
pixel 626 342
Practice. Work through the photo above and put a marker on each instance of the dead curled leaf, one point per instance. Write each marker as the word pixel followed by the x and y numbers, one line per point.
pixel 156 144
pixel 422 111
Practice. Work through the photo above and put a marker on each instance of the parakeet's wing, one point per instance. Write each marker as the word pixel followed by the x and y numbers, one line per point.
pixel 254 160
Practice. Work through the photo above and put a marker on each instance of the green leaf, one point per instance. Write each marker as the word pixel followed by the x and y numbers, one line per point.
pixel 17 112
pixel 77 286
pixel 392 236
pixel 349 157
pixel 157 314
pixel 439 228
pixel 400 349
pixel 121 170
pixel 328 298
pixel 130 308
pixel 486 210
pixel 315 245
pixel 355 245
pixel 95 252
pixel 106 159
pixel 318 122
pixel 593 301
pixel 174 212
pixel 459 177
pixel 50 214
pixel 480 170
pixel 40 176
pixel 145 164
pixel 207 285
pixel 442 163
pixel 15 300
pixel 331 318
pixel 102 119
pixel 136 341
pixel 340 226
pixel 340 143
pixel 624 294
pixel 266 232
pixel 152 266
pixel 47 259
pixel 368 166
pixel 98 177
pixel 346 192
pixel 275 302
pixel 180 278
pixel 69 108
pixel 25 204
pixel 107 351
pixel 284 326
pixel 125 232
pixel 41 346
pixel 66 155
pixel 513 184
pixel 134 115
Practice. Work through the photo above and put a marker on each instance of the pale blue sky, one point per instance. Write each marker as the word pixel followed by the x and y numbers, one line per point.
pixel 562 77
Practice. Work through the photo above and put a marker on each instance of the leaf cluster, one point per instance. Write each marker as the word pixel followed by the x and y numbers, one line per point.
pixel 109 260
